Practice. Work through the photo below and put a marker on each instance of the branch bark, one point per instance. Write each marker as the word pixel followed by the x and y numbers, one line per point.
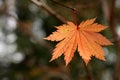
pixel 110 17
pixel 49 10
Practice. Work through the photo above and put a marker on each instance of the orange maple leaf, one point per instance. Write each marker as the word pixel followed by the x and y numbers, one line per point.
pixel 84 38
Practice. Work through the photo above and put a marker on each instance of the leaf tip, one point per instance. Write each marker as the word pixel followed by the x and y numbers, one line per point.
pixel 51 60
pixel 46 38
pixel 103 59
pixel 94 18
pixel 86 61
pixel 66 64
pixel 111 43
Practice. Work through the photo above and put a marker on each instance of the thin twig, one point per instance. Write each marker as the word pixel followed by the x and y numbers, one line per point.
pixel 49 10
pixel 90 75
pixel 105 9
pixel 62 5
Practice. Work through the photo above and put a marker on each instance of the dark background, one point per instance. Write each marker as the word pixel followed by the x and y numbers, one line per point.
pixel 25 55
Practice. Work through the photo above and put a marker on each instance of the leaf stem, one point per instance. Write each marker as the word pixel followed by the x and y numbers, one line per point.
pixel 75 17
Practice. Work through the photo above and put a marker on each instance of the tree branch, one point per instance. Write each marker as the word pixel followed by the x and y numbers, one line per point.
pixel 49 10
pixel 116 75
pixel 112 25
pixel 111 20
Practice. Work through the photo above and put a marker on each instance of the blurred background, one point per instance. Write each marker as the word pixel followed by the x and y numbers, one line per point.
pixel 25 55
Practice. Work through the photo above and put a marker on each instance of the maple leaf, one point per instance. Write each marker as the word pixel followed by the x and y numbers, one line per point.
pixel 85 38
